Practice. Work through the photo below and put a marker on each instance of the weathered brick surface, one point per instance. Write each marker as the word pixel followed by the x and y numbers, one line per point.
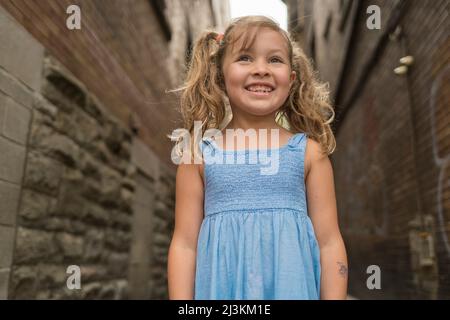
pixel 391 161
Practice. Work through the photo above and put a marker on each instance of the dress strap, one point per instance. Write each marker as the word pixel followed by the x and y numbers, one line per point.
pixel 207 146
pixel 297 141
pixel 206 141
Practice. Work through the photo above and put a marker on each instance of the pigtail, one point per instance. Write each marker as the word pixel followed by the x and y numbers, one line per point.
pixel 308 107
pixel 202 95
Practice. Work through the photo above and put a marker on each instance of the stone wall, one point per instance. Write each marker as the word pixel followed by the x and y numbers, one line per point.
pixel 69 181
pixel 76 204
pixel 83 187
pixel 86 178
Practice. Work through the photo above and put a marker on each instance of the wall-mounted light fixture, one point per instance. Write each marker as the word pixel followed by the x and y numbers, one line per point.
pixel 401 70
pixel 405 62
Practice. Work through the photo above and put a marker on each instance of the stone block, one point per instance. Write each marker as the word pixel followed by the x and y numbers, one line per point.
pixel 55 144
pixel 51 276
pixel 20 53
pixel 70 246
pixel 91 291
pixel 62 92
pixel 34 246
pixel 9 201
pixel 34 205
pixel 12 159
pixel 4 280
pixel 6 246
pixel 16 90
pixel 16 120
pixel 42 173
pixel 94 244
pixel 24 282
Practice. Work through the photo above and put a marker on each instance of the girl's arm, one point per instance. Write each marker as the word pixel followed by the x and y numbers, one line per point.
pixel 188 219
pixel 323 212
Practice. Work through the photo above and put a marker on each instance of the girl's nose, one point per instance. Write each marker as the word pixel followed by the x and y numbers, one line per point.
pixel 260 68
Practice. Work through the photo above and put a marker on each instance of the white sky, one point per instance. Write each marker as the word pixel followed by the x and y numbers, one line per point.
pixel 274 9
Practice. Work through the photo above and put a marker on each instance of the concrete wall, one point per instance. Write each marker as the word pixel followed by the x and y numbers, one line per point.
pixel 20 74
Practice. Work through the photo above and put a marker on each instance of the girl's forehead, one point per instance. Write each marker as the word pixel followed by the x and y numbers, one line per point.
pixel 244 40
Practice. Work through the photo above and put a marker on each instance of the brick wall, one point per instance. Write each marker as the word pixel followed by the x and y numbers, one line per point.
pixel 391 160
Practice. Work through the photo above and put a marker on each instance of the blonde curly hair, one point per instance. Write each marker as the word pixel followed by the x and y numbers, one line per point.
pixel 307 109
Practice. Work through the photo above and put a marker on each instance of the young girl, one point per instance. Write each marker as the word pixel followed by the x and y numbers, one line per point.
pixel 241 234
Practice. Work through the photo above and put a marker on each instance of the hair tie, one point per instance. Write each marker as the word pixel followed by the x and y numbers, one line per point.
pixel 219 38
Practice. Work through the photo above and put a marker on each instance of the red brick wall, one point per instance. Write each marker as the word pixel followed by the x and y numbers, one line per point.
pixel 387 172
pixel 364 42
pixel 393 148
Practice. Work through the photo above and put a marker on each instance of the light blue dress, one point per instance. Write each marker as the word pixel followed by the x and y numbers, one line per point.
pixel 256 240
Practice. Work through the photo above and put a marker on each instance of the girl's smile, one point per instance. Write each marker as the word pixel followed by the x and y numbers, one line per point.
pixel 258 94
pixel 260 89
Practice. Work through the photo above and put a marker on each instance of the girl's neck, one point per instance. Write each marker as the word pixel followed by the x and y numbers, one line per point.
pixel 256 125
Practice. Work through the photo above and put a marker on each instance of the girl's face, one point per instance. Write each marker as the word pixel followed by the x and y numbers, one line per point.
pixel 258 80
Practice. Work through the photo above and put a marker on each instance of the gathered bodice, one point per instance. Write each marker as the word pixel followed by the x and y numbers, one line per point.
pixel 255 179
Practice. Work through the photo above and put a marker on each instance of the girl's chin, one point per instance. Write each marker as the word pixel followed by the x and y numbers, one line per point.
pixel 260 110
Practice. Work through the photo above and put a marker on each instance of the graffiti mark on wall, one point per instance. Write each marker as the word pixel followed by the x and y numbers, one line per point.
pixel 440 132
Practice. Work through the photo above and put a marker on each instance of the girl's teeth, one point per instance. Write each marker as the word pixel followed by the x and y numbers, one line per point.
pixel 260 89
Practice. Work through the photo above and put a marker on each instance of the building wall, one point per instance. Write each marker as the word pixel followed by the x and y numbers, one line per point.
pixel 76 201
pixel 86 177
pixel 392 133
pixel 188 19
pixel 128 40
pixel 321 26
pixel 18 79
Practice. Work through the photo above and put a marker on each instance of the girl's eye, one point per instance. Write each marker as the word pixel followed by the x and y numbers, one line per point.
pixel 276 59
pixel 272 60
pixel 244 58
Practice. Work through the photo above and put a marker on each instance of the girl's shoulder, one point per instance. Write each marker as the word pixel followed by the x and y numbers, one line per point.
pixel 313 154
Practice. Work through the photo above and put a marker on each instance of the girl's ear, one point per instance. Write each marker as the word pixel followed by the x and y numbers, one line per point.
pixel 293 77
